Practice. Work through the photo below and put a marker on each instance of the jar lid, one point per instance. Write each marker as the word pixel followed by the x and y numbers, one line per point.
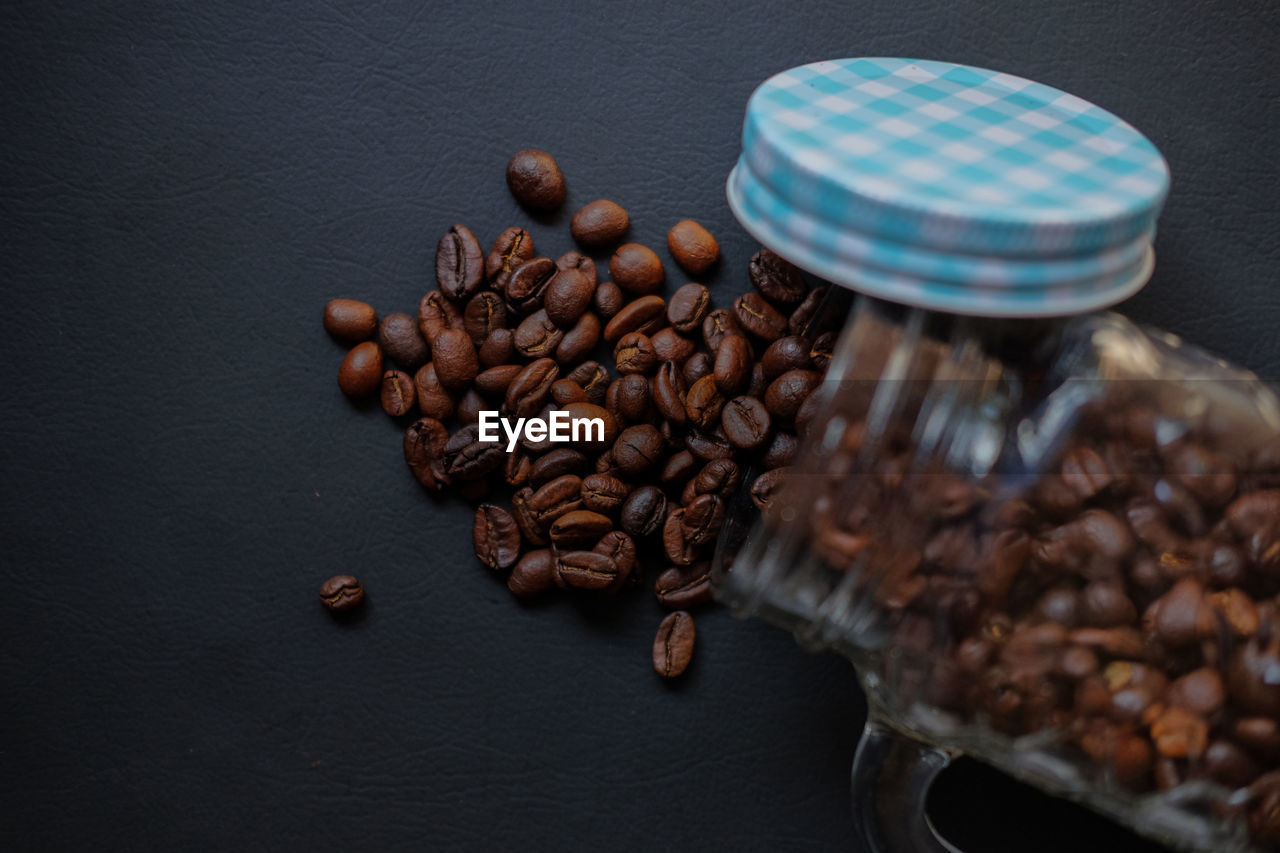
pixel 949 187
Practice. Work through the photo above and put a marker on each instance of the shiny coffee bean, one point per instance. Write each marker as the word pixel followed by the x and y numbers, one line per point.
pixel 716 326
pixel 519 465
pixel 820 352
pixel 608 299
pixel 646 315
pixel 566 391
pixel 700 364
pixel 537 336
pixel 637 449
pixel 555 498
pixel 579 340
pixel 668 390
pixel 435 314
pixel 782 450
pixel 424 443
pixel 455 360
pixel 578 527
pixel 798 322
pixel 590 412
pixel 675 543
pixel 495 536
pixel 687 308
pixel 342 593
pixel 593 378
pixel 468 458
pixel 703 403
pixel 599 224
pixel 766 487
pixel 350 321
pixel 746 423
pixel 498 348
pixel 789 353
pixel 643 512
pixel 512 248
pixel 567 296
pixel 485 314
pixel 361 372
pixel 556 463
pixel 684 588
pixel 634 353
pixel 628 399
pixel 401 341
pixel 398 396
pixel 693 247
pixel 673 646
pixel 787 393
pixel 530 390
pixel 494 382
pixel 776 279
pixel 532 530
pixel 703 518
pixel 527 286
pixel 533 574
pixel 732 369
pixel 603 493
pixel 720 477
pixel 708 445
pixel 460 266
pixel 679 468
pixel 758 317
pixel 585 570
pixel 669 345
pixel 636 269
pixel 535 180
pixel 578 261
pixel 621 550
pixel 433 400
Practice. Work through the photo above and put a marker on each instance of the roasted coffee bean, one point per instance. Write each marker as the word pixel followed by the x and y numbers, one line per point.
pixel 460 266
pixel 342 593
pixel 1209 476
pixel 554 499
pixel 766 487
pixel 608 299
pixel 470 407
pixel 776 279
pixel 703 518
pixel 1104 604
pixel 435 314
pixel 468 458
pixel 1227 764
pixel 533 574
pixel 789 353
pixel 580 340
pixel 1085 472
pixel 716 326
pixel 578 261
pixel 693 247
pixel 604 464
pixel 684 588
pixel 634 353
pixel 820 353
pixel 401 341
pixel 669 345
pixel 673 646
pixel 532 530
pixel 798 322
pixel 433 400
pixel 1251 675
pixel 687 308
pixel 424 443
pixel 809 411
pixel 518 468
pixel 350 321
pixel 787 393
pixel 1200 691
pixel 530 390
pixel 720 477
pixel 643 512
pixel 707 446
pixel 603 493
pixel 758 317
pixel 628 399
pixel 512 248
pixel 537 336
pixel 599 224
pixel 527 287
pixel 361 372
pixel 589 412
pixel 669 393
pixel 757 384
pixel 484 314
pixel 578 527
pixel 703 403
pixel 494 382
pixel 566 391
pixel 495 536
pixel 621 549
pixel 679 468
pixel 585 570
pixel 535 180
pixel 781 451
pixel 698 365
pixel 455 360
pixel 593 378
pixel 567 296
pixel 637 449
pixel 733 365
pixel 636 269
pixel 498 348
pixel 646 315
pixel 556 463
pixel 398 396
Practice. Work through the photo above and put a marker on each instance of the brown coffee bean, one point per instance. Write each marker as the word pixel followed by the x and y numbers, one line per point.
pixel 798 322
pixel 636 269
pixel 634 353
pixel 530 390
pixel 767 486
pixel 637 449
pixel 401 341
pixel 776 279
pixel 733 365
pixel 494 382
pixel 688 307
pixel 1105 604
pixel 720 477
pixel 703 403
pixel 746 423
pixel 533 574
pixel 621 549
pixel 1251 675
pixel 468 458
pixel 718 325
pixel 675 543
pixel 646 315
pixel 567 296
pixel 537 336
pixel 643 512
pixel 599 224
pixel 424 443
pixel 608 299
pixel 703 518
pixel 495 536
pixel 603 493
pixel 693 247
pixel 535 180
pixel 585 570
pixel 1228 764
pixel 758 317
pixel 673 646
pixel 787 393
pixel 579 527
pixel 1173 618
pixel 1209 476
pixel 532 530
pixel 684 588
pixel 823 347
pixel 1200 691
pixel 398 396
pixel 350 321
pixel 628 399
pixel 435 314
pixel 554 499
pixel 361 372
pixel 566 391
pixel 484 314
pixel 518 467
pixel 782 450
pixel 697 366
pixel 578 261
pixel 580 340
pixel 590 412
pixel 459 264
pixel 789 353
pixel 556 463
pixel 433 400
pixel 708 445
pixel 526 288
pixel 1178 733
pixel 455 360
pixel 810 409
pixel 669 393
pixel 342 593
pixel 498 348
pixel 669 345
pixel 679 468
pixel 593 378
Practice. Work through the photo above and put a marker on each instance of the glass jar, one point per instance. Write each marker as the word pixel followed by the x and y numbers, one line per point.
pixel 1051 544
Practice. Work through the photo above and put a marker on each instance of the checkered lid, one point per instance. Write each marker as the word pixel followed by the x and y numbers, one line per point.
pixel 949 187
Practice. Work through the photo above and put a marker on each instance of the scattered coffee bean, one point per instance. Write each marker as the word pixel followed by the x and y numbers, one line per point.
pixel 342 593
pixel 687 308
pixel 580 340
pixel 599 224
pixel 350 321
pixel 585 570
pixel 537 336
pixel 567 296
pixel 398 395
pixel 693 247
pixel 636 269
pixel 535 180
pixel 644 512
pixel 455 360
pixel 646 315
pixel 496 537
pixel 732 369
pixel 634 353
pixel 485 314
pixel 435 314
pixel 512 248
pixel 776 279
pixel 759 318
pixel 424 443
pixel 533 574
pixel 460 266
pixel 673 646
pixel 361 372
pixel 433 400
pixel 684 588
pixel 608 299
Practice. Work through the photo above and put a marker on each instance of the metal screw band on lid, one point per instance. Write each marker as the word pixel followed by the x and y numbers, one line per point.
pixel 949 187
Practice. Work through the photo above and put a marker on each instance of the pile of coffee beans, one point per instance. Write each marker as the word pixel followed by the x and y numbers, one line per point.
pixel 692 398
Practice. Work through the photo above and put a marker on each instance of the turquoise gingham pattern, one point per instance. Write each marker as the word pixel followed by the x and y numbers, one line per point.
pixel 949 187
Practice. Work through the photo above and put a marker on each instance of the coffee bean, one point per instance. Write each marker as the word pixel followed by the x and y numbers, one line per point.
pixel 398 395
pixel 512 248
pixel 634 353
pixel 350 321
pixel 468 458
pixel 669 345
pixel 733 365
pixel 537 336
pixel 673 646
pixel 1251 675
pixel 494 382
pixel 433 400
pixel 424 443
pixel 342 593
pixel 787 393
pixel 603 493
pixel 361 372
pixel 566 391
pixel 757 384
pixel 530 390
pixel 621 550
pixel 687 308
pixel 703 403
pixel 526 288
pixel 555 498
pixel 693 247
pixel 679 468
pixel 776 279
pixel 599 224
pixel 798 322
pixel 781 451
pixel 646 315
pixel 707 446
pixel 401 341
pixel 470 407
pixel 684 588
pixel 628 399
pixel 580 340
pixel 758 317
pixel 459 264
pixel 703 518
pixel 556 463
pixel 590 412
pixel 567 296
pixel 572 260
pixel 637 449
pixel 720 477
pixel 435 314
pixel 579 527
pixel 533 574
pixel 789 353
pixel 643 512
pixel 1105 604
pixel 1085 472
pixel 820 353
pixel 593 378
pixel 1209 476
pixel 535 180
pixel 585 570
pixel 484 314
pixel 455 360
pixel 717 325
pixel 498 348
pixel 518 468
pixel 766 487
pixel 495 536
pixel 1200 691
pixel 675 544
pixel 608 299
pixel 636 269
pixel 532 530
pixel 669 392
pixel 697 366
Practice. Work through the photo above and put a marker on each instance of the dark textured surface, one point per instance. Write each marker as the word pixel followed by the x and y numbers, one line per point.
pixel 183 185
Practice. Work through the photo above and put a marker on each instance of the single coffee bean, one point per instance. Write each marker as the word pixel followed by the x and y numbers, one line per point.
pixel 673 646
pixel 687 308
pixel 531 389
pixel 585 570
pixel 468 458
pixel 593 378
pixel 512 248
pixel 1200 691
pixel 568 294
pixel 424 443
pixel 757 384
pixel 498 348
pixel 675 544
pixel 537 336
pixel 669 393
pixel 697 366
pixel 1105 604
pixel 603 493
pixel 554 499
pixel 637 449
pixel 776 279
pixel 484 314
pixel 527 286
pixel 758 317
pixel 823 347
pixel 518 468
pixel 604 464
pixel 566 391
pixel 587 412
pixel 801 318
pixel 1085 472
pixel 361 372
pixel 720 477
pixel 628 399
pixel 401 341
pixel 435 314
pixel 707 445
pixel 532 530
pixel 398 395
pixel 579 527
pixel 683 588
pixel 580 340
pixel 781 451
pixel 495 536
pixel 578 261
pixel 703 403
pixel 599 224
pixel 679 468
pixel 342 593
pixel 787 393
pixel 1229 765
pixel 733 365
pixel 809 410
pixel 608 299
pixel 621 549
pixel 556 463
pixel 535 180
pixel 455 360
pixel 669 345
pixel 433 400
pixel 717 325
pixel 789 353
pixel 634 353
pixel 703 518
pixel 350 321
pixel 494 382
pixel 767 486
pixel 459 264
pixel 693 247
pixel 636 269
pixel 746 423
pixel 533 574
pixel 646 315
pixel 1209 476
pixel 643 512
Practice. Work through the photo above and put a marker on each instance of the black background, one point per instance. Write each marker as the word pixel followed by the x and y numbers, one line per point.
pixel 183 186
